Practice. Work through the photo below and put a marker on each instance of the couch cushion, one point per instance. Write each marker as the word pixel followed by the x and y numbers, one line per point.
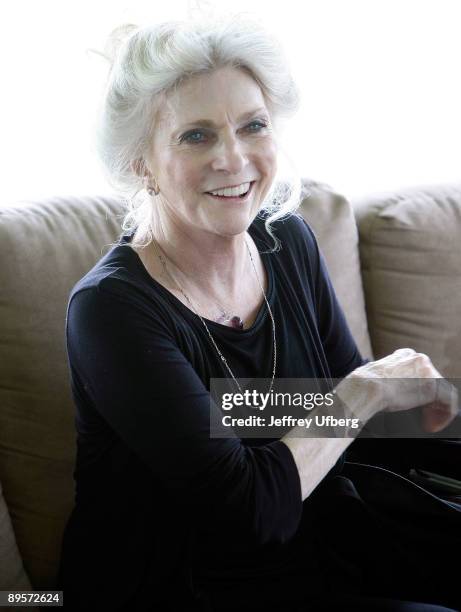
pixel 12 573
pixel 410 247
pixel 44 249
pixel 331 217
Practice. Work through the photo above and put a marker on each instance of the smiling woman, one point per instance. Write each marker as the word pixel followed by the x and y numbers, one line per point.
pixel 167 516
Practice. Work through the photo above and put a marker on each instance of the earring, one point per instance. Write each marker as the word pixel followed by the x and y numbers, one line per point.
pixel 152 190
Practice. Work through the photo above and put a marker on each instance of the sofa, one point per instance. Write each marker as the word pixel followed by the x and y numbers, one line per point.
pixel 395 262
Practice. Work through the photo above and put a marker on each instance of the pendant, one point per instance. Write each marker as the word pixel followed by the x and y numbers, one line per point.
pixel 237 322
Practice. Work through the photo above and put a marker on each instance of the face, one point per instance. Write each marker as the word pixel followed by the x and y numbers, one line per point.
pixel 214 131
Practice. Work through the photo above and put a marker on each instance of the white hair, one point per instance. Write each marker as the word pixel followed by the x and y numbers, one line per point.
pixel 149 62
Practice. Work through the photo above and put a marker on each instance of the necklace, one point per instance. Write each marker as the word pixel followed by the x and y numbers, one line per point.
pixel 225 317
pixel 162 260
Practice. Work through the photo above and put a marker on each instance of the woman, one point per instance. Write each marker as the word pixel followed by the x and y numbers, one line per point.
pixel 167 517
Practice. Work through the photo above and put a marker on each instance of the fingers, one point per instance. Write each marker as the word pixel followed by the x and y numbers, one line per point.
pixel 408 379
pixel 404 352
pixel 447 394
pixel 435 417
pixel 397 356
pixel 415 365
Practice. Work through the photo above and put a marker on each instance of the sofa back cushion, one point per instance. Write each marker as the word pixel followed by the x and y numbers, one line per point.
pixel 12 574
pixel 331 217
pixel 44 249
pixel 410 248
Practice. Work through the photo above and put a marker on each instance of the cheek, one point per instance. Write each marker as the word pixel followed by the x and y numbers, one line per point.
pixel 270 165
pixel 269 158
pixel 191 181
pixel 181 176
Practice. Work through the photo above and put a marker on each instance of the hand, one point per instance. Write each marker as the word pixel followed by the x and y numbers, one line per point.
pixel 419 384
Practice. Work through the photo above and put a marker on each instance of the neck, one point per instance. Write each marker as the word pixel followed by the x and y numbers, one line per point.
pixel 215 264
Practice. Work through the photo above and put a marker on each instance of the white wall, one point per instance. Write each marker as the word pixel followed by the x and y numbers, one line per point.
pixel 380 81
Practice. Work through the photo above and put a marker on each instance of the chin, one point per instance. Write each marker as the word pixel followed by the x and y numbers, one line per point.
pixel 233 227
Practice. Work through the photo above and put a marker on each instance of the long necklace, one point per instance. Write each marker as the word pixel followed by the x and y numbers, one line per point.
pixel 226 316
pixel 158 248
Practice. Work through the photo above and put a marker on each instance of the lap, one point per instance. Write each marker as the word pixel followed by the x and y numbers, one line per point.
pixel 388 536
pixel 370 539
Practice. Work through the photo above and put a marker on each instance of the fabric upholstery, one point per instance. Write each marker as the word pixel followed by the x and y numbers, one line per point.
pixel 331 217
pixel 410 250
pixel 12 574
pixel 45 247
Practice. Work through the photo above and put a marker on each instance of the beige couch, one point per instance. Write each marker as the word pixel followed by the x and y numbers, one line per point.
pixel 410 254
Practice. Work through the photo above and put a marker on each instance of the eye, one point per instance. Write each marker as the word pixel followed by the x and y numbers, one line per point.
pixel 260 124
pixel 189 136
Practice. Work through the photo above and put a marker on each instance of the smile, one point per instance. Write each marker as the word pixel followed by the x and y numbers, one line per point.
pixel 232 197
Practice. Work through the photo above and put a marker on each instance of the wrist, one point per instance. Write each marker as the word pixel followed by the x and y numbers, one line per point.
pixel 361 397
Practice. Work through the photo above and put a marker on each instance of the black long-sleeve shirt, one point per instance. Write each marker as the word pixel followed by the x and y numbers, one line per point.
pixel 151 485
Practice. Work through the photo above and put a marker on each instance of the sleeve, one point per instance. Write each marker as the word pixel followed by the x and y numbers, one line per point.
pixel 341 351
pixel 146 390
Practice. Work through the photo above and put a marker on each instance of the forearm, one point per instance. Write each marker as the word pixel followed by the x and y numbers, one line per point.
pixel 316 455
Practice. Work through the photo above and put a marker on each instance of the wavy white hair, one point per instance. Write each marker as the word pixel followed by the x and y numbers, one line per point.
pixel 149 62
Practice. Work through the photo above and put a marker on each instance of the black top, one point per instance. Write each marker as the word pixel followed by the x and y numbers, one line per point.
pixel 151 485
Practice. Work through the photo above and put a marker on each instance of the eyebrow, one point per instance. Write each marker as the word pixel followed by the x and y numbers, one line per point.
pixel 208 123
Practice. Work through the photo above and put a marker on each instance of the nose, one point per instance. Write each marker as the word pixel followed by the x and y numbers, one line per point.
pixel 229 155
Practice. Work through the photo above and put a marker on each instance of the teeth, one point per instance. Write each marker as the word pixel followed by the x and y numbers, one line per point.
pixel 232 191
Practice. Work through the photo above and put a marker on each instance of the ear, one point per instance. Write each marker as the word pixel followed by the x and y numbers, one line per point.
pixel 139 167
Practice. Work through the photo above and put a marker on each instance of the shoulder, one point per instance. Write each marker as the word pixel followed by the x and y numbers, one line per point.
pixel 113 263
pixel 116 283
pixel 108 314
pixel 117 297
pixel 299 232
pixel 298 243
pixel 291 231
pixel 119 272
